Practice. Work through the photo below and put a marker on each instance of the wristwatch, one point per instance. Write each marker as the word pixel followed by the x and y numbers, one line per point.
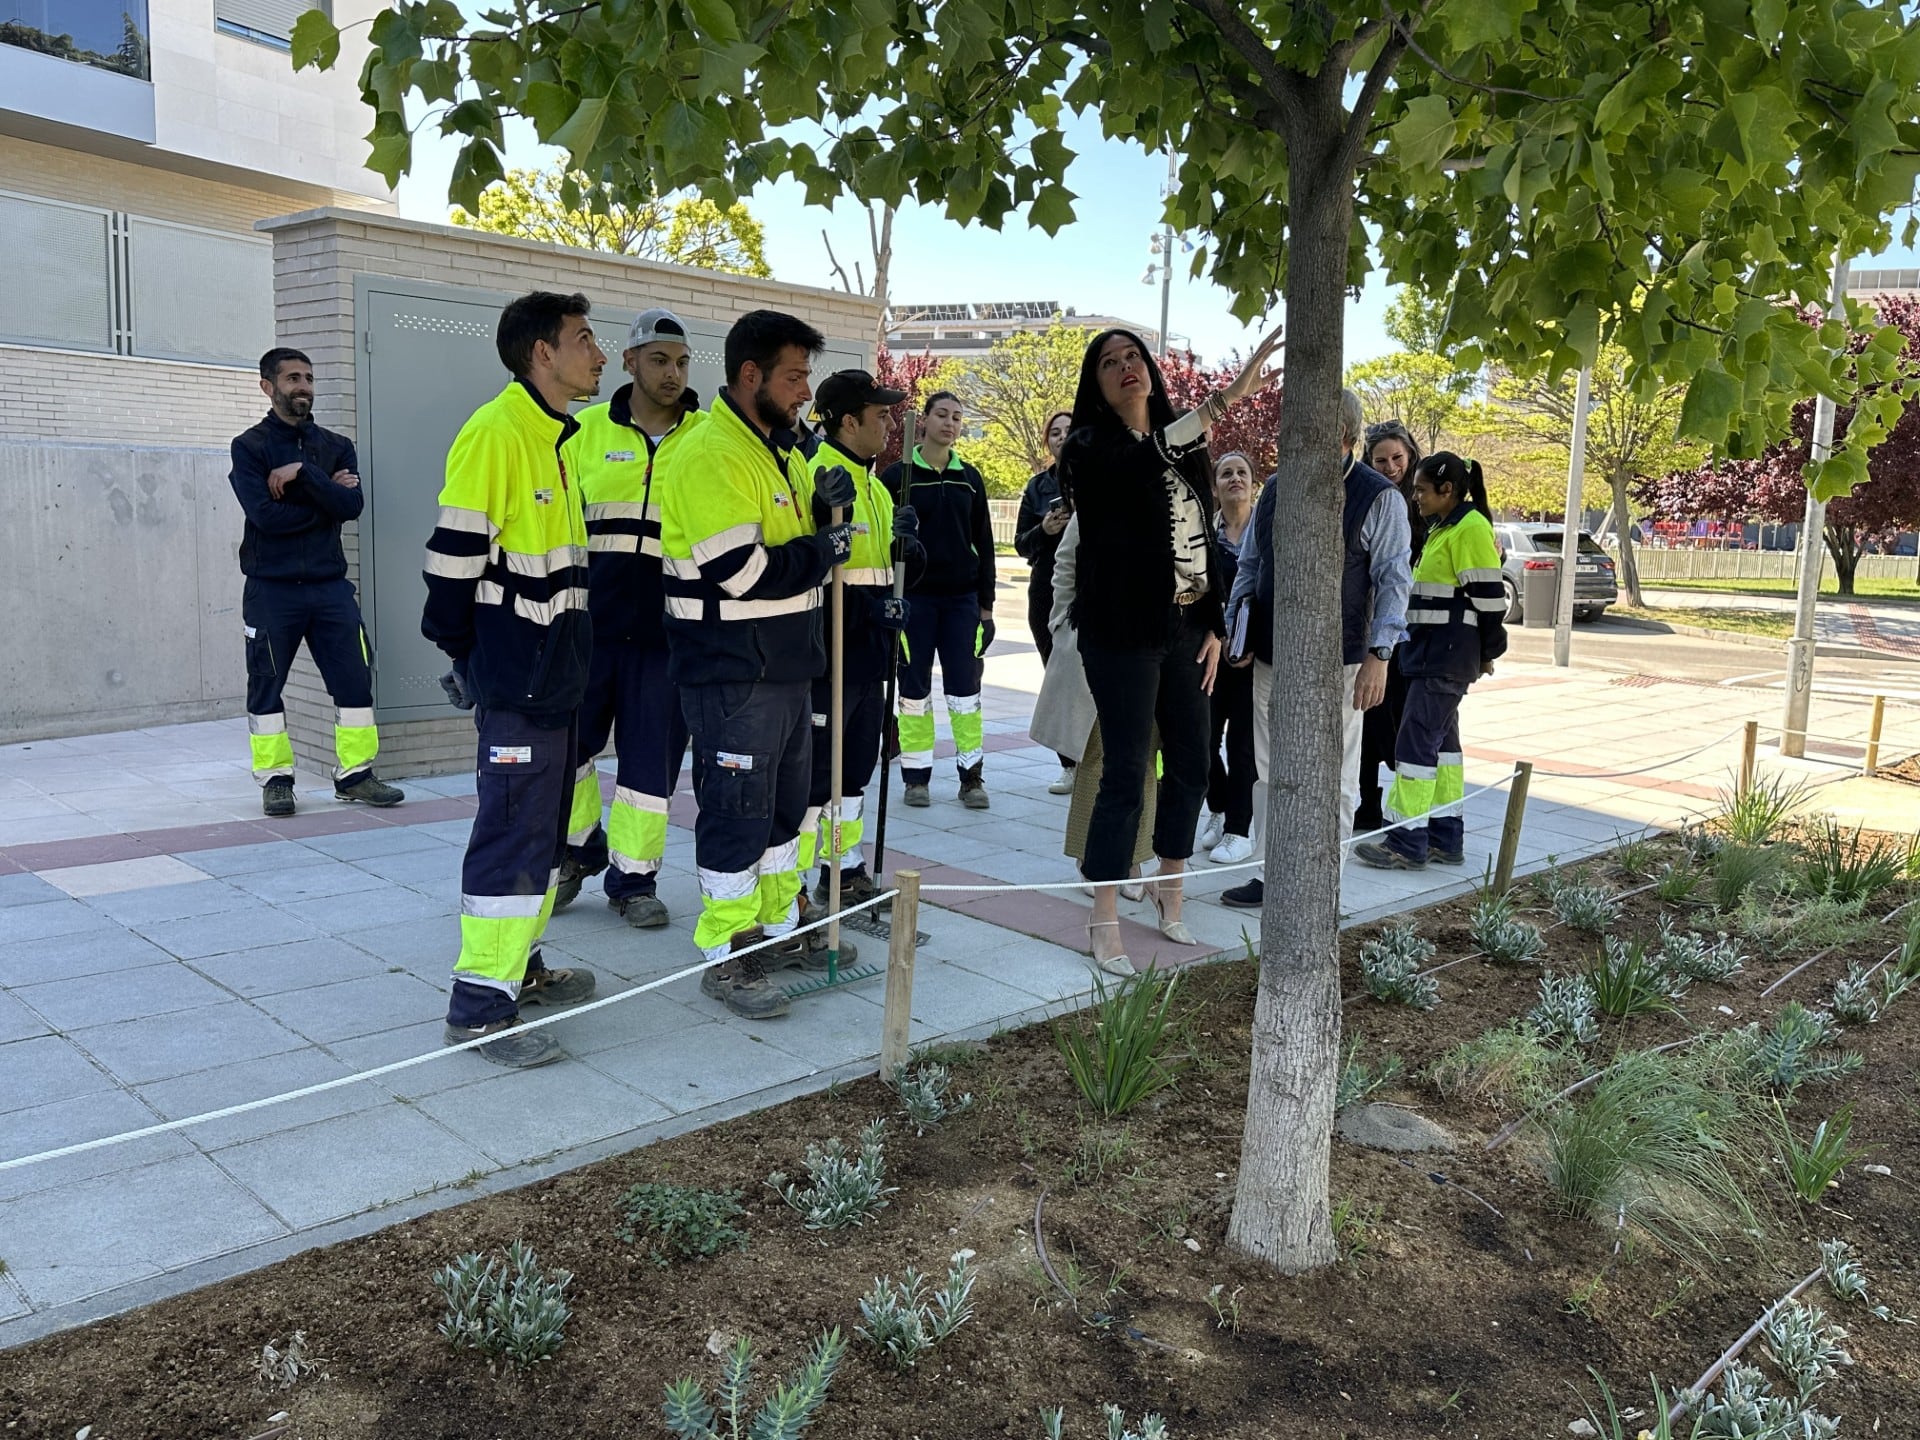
pixel 1381 652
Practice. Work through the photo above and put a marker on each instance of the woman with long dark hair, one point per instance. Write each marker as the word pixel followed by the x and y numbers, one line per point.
pixel 1148 608
pixel 1391 450
pixel 1456 629
pixel 1036 537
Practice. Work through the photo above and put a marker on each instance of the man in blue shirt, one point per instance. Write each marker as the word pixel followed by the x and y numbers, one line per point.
pixel 1376 579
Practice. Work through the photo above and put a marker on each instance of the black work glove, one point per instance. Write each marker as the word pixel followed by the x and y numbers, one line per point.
pixel 906 523
pixel 891 613
pixel 834 486
pixel 454 682
pixel 838 540
pixel 983 638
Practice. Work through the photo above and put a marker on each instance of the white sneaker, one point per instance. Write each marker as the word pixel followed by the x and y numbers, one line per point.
pixel 1212 828
pixel 1232 850
pixel 1064 784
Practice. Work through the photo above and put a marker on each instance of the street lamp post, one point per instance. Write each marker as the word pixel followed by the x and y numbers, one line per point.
pixel 1800 649
pixel 1570 528
pixel 1166 261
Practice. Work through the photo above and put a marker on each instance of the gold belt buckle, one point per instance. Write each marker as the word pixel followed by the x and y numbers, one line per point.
pixel 1187 597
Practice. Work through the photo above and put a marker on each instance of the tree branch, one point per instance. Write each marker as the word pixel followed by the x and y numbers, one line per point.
pixel 1447 75
pixel 1247 44
pixel 1353 141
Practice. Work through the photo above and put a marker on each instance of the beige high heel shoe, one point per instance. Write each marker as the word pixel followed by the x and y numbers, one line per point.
pixel 1112 964
pixel 1174 930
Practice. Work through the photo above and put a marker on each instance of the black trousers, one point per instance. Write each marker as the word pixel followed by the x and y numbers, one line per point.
pixel 1378 731
pixel 1132 690
pixel 1230 779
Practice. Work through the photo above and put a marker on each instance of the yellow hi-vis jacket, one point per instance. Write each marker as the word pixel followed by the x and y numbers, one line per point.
pixel 743 562
pixel 507 562
pixel 621 469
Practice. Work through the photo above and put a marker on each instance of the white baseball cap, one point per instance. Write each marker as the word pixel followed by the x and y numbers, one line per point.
pixel 651 325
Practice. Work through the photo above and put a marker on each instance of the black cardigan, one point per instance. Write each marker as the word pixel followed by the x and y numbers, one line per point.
pixel 1124 577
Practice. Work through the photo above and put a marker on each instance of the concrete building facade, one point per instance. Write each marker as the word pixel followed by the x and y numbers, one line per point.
pixel 140 143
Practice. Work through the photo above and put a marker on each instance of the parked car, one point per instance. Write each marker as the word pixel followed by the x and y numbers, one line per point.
pixel 1526 547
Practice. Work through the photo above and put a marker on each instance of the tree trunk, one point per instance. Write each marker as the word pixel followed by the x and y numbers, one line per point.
pixel 1843 543
pixel 1623 524
pixel 882 237
pixel 1280 1211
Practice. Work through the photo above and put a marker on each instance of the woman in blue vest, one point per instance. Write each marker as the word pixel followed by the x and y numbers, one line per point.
pixel 1456 629
pixel 1148 609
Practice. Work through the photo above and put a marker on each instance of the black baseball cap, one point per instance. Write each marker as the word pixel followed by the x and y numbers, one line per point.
pixel 845 391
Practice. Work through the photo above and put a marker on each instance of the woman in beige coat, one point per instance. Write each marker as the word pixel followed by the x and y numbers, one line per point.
pixel 1065 722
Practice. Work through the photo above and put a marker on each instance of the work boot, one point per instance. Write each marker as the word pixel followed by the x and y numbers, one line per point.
pixel 741 984
pixel 276 797
pixel 555 987
pixel 572 876
pixel 973 790
pixel 517 1049
pixel 1249 896
pixel 1385 857
pixel 1447 857
pixel 918 796
pixel 369 789
pixel 855 885
pixel 809 951
pixel 643 912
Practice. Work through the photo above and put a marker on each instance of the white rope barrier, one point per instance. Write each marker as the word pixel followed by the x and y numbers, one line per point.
pixel 1211 869
pixel 570 1013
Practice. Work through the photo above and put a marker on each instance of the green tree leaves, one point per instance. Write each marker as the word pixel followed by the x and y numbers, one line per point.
pixel 1674 181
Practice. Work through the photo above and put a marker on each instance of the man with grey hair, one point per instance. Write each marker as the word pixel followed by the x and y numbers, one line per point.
pixel 1376 578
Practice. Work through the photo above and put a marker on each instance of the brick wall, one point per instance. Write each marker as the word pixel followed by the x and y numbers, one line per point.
pixel 315 258
pixel 73 395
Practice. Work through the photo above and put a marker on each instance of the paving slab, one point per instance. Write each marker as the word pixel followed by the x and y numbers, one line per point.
pixel 76 1004
pixel 159 1047
pixel 205 1091
pixel 203 896
pixel 26 889
pixel 40 1070
pixel 277 968
pixel 99 1234
pixel 703 1065
pixel 515 1118
pixel 384 904
pixel 319 878
pixel 46 920
pixel 115 876
pixel 74 1121
pixel 351 1008
pixel 17 1022
pixel 350 1163
pixel 86 952
pixel 203 935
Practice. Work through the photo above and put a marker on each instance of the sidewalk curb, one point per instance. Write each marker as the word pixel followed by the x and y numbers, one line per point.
pixel 1767 642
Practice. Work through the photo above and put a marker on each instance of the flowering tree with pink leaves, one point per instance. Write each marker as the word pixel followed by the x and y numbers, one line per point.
pixel 1771 487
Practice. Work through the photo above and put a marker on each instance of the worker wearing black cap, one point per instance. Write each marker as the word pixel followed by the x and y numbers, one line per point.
pixel 854 411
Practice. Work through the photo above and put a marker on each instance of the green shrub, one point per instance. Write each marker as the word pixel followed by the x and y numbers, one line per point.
pixel 1509 1065
pixel 1587 908
pixel 1626 980
pixel 784 1415
pixel 1500 934
pixel 1663 1144
pixel 1847 867
pixel 1122 1059
pixel 681 1222
pixel 1738 869
pixel 1812 1167
pixel 1759 816
pixel 842 1190
pixel 923 1091
pixel 1694 957
pixel 1358 1080
pixel 515 1309
pixel 1677 883
pixel 1799 1047
pixel 1390 968
pixel 903 1322
pixel 1565 1010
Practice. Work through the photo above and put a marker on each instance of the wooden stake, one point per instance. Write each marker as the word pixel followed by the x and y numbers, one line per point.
pixel 1749 743
pixel 1873 733
pixel 898 1016
pixel 836 731
pixel 1510 832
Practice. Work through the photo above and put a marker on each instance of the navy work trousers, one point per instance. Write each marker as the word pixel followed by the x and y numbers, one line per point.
pixel 525 775
pixel 630 701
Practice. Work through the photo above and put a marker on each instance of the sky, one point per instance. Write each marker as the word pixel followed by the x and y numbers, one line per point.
pixel 1093 266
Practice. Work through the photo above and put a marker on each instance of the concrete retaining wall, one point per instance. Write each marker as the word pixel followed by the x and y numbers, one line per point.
pixel 123 591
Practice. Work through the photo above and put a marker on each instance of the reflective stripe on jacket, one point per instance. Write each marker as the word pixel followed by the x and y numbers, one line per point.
pixel 619 468
pixel 869 569
pixel 1456 620
pixel 507 563
pixel 742 564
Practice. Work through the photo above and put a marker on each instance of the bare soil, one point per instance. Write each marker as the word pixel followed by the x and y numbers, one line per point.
pixel 1470 1307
